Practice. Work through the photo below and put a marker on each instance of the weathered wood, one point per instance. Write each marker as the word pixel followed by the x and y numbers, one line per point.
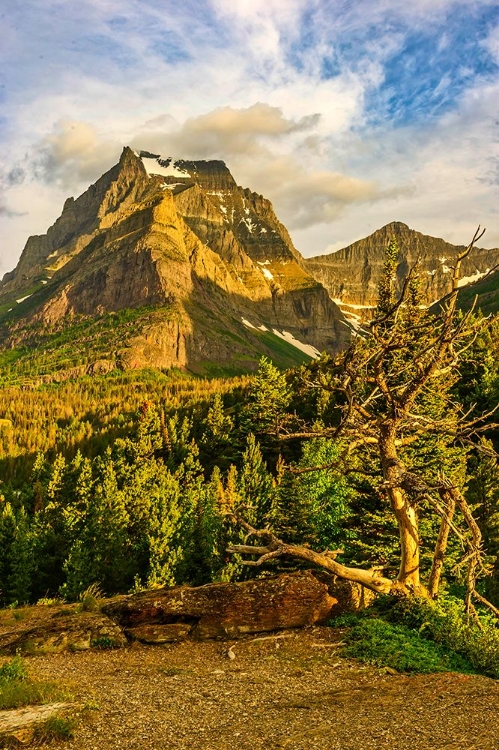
pixel 20 723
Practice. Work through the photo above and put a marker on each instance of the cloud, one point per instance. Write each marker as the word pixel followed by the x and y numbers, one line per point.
pixel 223 133
pixel 254 143
pixel 72 153
pixel 8 212
pixel 346 115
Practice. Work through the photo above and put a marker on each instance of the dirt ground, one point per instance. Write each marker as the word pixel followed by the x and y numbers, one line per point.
pixel 291 691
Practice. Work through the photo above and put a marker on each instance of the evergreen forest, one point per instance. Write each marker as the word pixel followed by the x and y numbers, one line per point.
pixel 137 479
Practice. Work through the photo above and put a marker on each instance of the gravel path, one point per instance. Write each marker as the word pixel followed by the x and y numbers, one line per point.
pixel 289 692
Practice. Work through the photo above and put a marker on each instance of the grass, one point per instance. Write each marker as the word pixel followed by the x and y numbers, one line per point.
pixel 17 689
pixel 56 728
pixel 91 598
pixel 383 644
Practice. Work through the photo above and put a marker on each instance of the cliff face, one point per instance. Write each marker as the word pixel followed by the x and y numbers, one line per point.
pixel 351 275
pixel 181 238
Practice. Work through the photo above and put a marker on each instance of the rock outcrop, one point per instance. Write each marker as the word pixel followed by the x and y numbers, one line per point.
pixel 229 610
pixel 66 629
pixel 217 610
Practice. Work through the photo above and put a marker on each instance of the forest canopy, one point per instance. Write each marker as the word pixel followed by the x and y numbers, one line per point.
pixel 381 458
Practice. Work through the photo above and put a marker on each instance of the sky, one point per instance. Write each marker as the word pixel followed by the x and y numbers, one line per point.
pixel 346 114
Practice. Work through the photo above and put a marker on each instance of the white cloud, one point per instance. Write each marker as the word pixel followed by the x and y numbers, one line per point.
pixel 244 81
pixel 73 153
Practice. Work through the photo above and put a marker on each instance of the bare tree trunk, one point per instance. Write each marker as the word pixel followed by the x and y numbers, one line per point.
pixel 274 548
pixel 441 545
pixel 405 513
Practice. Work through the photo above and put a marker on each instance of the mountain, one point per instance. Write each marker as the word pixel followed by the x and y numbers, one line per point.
pixel 165 263
pixel 351 275
pixel 484 293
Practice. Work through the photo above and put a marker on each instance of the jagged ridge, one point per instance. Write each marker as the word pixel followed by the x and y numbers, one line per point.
pixel 352 275
pixel 187 241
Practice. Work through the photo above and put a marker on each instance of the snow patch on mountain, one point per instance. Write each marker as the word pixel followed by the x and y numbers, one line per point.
pixel 306 348
pixel 164 167
pixel 474 277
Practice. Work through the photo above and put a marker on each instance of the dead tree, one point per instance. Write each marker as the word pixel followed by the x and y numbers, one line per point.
pixel 382 386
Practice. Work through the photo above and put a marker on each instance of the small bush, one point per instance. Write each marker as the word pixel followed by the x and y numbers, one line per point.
pixel 381 643
pixel 91 598
pixel 446 623
pixel 56 728
pixel 49 601
pixel 17 690
pixel 104 641
pixel 13 670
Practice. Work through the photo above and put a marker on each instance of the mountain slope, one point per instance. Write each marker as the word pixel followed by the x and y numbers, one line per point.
pixel 210 273
pixel 352 274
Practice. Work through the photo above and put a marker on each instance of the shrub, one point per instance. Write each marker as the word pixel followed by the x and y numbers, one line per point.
pixel 446 623
pixel 381 643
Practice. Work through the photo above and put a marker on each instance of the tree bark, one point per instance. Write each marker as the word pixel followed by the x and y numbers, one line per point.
pixel 275 548
pixel 405 513
pixel 441 545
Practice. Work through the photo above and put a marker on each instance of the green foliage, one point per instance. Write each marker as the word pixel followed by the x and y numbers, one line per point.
pixel 103 642
pixel 16 689
pixel 267 400
pixel 254 484
pixel 387 285
pixel 445 622
pixel 13 670
pixel 56 728
pixel 397 646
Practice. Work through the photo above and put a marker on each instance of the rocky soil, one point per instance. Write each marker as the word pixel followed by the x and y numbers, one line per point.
pixel 288 690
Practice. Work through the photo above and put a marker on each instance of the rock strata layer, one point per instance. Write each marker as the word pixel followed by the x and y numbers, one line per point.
pixel 352 275
pixel 181 238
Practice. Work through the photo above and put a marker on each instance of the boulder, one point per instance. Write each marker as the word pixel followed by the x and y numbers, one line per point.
pixel 229 610
pixel 75 631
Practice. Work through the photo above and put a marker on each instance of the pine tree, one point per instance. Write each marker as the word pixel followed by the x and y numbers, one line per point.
pixel 265 411
pixel 255 484
pixel 22 560
pixel 7 532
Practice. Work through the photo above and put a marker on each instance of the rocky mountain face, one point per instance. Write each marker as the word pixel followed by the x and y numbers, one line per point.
pixel 352 274
pixel 209 264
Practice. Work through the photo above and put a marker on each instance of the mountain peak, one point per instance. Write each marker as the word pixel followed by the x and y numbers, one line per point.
pixel 210 174
pixel 208 261
pixel 395 226
pixel 352 275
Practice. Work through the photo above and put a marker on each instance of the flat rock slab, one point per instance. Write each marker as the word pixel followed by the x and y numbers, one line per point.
pixel 75 631
pixel 228 610
pixel 20 723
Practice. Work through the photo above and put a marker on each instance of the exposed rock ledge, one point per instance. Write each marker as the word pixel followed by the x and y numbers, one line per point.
pixel 218 610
